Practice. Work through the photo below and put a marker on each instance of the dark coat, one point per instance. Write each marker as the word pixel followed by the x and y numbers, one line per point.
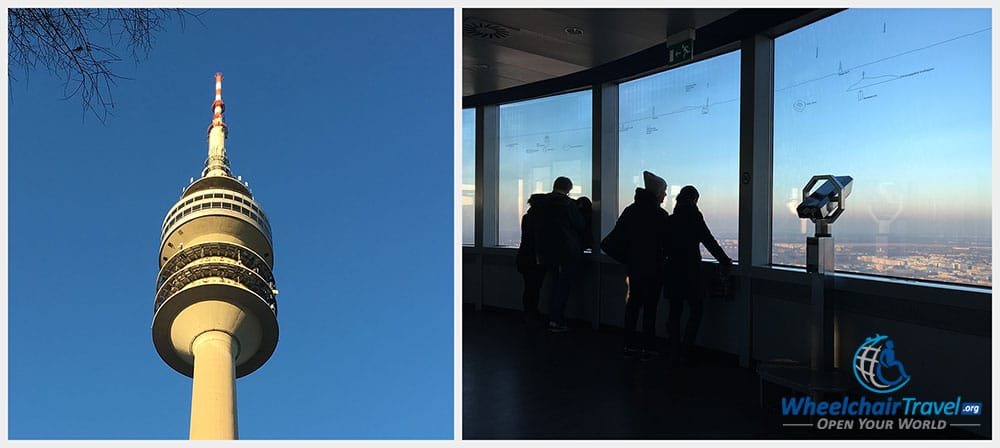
pixel 687 231
pixel 557 228
pixel 644 226
pixel 526 257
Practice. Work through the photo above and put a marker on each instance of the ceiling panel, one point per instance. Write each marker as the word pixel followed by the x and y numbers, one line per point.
pixel 504 48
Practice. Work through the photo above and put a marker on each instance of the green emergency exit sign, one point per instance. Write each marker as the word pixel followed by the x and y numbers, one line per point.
pixel 682 51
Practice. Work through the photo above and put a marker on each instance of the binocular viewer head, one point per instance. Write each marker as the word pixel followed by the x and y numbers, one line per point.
pixel 825 202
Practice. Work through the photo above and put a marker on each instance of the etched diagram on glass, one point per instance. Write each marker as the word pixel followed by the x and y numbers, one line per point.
pixel 899 98
pixel 683 125
pixel 540 140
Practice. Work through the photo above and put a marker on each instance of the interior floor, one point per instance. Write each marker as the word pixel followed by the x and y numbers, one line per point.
pixel 523 382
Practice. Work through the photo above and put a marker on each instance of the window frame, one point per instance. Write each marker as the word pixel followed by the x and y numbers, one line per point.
pixel 719 52
pixel 890 279
pixel 755 161
pixel 495 240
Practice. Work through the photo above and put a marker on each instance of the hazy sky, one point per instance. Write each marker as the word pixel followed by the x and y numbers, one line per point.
pixel 468 175
pixel 345 133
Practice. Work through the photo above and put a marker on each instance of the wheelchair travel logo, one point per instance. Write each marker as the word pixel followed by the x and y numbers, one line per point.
pixel 876 366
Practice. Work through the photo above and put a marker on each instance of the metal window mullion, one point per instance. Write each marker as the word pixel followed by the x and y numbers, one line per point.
pixel 487 175
pixel 604 162
pixel 605 159
pixel 756 171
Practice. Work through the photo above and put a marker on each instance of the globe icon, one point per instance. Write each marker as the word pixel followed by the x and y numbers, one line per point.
pixel 873 360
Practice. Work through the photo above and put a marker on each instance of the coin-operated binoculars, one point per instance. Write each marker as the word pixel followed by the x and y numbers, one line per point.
pixel 823 205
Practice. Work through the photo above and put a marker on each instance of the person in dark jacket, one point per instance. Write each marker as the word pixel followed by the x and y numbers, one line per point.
pixel 527 264
pixel 687 231
pixel 557 229
pixel 644 226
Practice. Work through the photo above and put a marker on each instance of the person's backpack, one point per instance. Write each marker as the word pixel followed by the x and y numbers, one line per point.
pixel 615 244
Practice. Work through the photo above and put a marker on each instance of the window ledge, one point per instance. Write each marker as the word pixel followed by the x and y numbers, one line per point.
pixel 922 291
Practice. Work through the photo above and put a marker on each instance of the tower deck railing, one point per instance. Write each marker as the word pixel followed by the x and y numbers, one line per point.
pixel 242 255
pixel 236 274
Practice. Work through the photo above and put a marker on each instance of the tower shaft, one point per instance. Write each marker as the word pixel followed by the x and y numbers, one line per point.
pixel 213 396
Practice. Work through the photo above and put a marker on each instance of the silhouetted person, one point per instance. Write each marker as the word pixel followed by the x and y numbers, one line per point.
pixel 643 227
pixel 687 231
pixel 557 227
pixel 587 211
pixel 527 264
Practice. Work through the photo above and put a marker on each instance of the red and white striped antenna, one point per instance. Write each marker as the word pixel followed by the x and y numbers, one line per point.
pixel 218 106
pixel 217 163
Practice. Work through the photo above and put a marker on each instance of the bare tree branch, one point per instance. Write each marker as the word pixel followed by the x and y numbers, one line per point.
pixel 80 45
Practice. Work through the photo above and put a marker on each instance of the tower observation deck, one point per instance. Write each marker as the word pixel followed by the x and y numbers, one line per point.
pixel 215 314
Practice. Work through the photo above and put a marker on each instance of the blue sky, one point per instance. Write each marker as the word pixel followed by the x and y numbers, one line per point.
pixel 899 99
pixel 687 143
pixel 342 122
pixel 540 140
pixel 468 175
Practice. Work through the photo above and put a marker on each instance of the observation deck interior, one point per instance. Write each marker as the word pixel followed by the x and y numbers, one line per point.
pixel 522 382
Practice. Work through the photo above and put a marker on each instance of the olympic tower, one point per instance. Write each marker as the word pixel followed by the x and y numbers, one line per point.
pixel 215 314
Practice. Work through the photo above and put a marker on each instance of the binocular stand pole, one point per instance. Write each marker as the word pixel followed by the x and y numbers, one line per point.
pixel 820 266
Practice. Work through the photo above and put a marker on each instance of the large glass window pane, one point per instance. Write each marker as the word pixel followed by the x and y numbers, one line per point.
pixel 684 125
pixel 469 176
pixel 900 100
pixel 541 140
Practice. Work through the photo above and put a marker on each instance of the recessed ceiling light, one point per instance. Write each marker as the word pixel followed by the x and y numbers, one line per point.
pixel 573 30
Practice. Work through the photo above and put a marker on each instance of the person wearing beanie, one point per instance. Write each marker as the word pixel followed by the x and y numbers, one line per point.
pixel 557 232
pixel 641 232
pixel 688 230
pixel 654 184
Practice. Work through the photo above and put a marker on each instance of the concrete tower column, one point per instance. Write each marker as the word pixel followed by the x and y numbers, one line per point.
pixel 213 398
pixel 215 313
